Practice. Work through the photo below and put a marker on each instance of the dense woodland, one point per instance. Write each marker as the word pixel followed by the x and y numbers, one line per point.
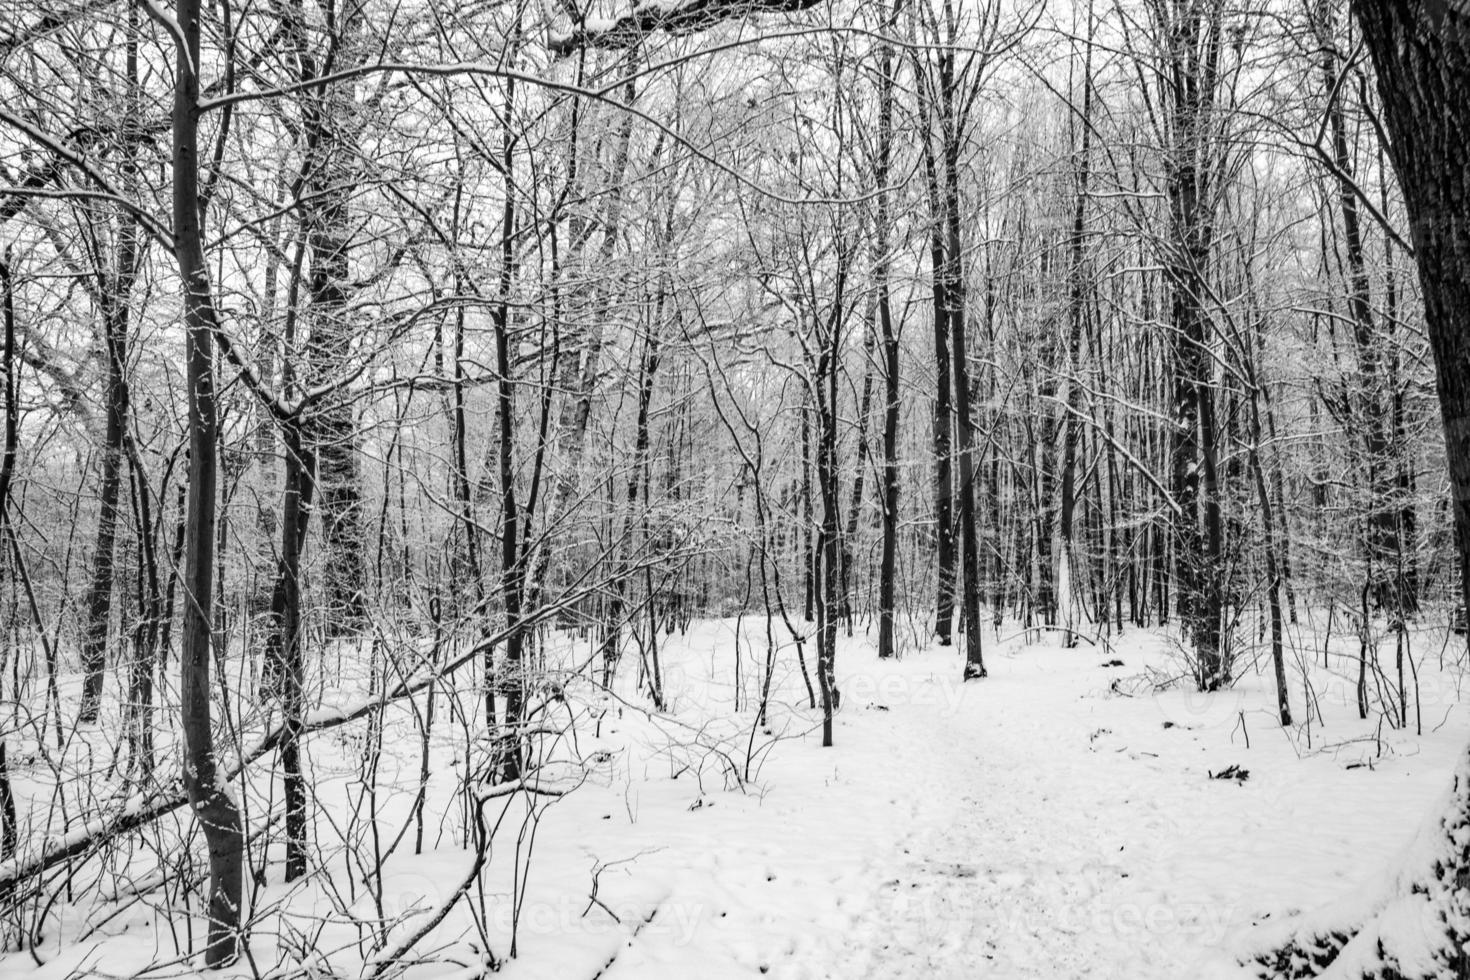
pixel 361 353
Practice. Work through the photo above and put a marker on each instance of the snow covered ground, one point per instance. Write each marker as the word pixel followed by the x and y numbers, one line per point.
pixel 1056 819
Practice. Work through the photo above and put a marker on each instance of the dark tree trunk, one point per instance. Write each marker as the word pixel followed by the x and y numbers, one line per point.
pixel 855 499
pixel 970 548
pixel 1192 50
pixel 115 288
pixel 99 591
pixel 1077 306
pixel 284 673
pixel 829 591
pixel 329 430
pixel 943 412
pixel 808 510
pixel 888 574
pixel 9 828
pixel 511 680
pixel 138 713
pixel 951 92
pixel 213 805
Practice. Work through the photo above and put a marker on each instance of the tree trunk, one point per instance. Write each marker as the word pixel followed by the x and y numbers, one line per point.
pixel 9 827
pixel 808 509
pixel 99 592
pixel 284 673
pixel 887 582
pixel 855 499
pixel 1192 55
pixel 828 594
pixel 115 287
pixel 1077 312
pixel 943 413
pixel 511 680
pixel 970 547
pixel 325 191
pixel 213 805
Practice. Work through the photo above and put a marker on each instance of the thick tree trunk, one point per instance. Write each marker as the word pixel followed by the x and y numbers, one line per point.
pixel 1192 38
pixel 325 191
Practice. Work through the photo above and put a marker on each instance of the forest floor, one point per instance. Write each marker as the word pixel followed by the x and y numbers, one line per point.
pixel 1056 819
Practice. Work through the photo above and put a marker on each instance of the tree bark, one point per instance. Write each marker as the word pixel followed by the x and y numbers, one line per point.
pixel 1077 312
pixel 115 287
pixel 510 680
pixel 861 459
pixel 285 673
pixel 970 547
pixel 943 372
pixel 1191 68
pixel 9 827
pixel 213 805
pixel 888 574
pixel 324 190
pixel 829 589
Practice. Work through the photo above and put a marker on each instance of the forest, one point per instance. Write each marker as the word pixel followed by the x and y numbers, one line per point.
pixel 656 488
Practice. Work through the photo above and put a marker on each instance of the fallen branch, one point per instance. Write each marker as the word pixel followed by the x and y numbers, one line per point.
pixel 142 809
pixel 688 17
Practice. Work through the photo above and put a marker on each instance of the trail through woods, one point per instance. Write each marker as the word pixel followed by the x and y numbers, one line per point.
pixel 1036 825
pixel 1058 819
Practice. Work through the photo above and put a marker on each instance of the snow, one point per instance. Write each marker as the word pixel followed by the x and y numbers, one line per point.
pixel 1056 819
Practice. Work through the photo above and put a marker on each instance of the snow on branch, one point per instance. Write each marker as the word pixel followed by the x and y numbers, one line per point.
pixel 675 17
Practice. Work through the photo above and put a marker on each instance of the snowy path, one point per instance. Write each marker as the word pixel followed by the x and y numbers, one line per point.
pixel 1036 824
pixel 1029 825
